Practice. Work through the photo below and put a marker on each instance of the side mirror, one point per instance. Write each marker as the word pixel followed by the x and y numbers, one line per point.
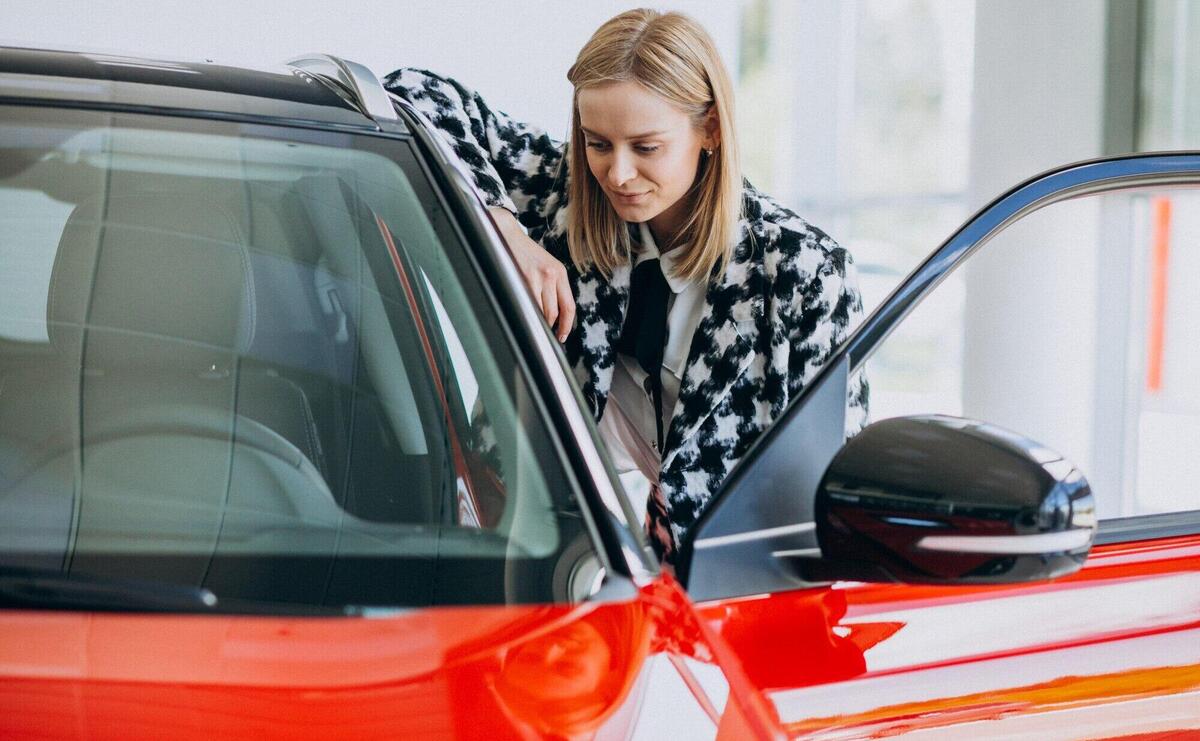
pixel 944 500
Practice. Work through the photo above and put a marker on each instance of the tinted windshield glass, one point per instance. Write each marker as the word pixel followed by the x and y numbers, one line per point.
pixel 257 361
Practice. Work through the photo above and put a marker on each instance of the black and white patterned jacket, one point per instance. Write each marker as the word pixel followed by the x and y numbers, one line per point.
pixel 785 301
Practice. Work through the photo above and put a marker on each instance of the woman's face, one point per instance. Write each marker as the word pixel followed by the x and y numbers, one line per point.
pixel 643 151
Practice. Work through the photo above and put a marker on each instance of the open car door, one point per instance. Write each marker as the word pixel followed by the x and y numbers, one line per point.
pixel 899 581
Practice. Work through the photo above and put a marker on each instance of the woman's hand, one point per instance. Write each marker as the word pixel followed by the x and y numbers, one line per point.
pixel 545 276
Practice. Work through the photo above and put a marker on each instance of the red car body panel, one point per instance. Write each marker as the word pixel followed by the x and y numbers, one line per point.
pixel 480 672
pixel 1114 647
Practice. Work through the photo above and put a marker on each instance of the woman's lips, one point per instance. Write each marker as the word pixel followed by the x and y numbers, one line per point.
pixel 630 197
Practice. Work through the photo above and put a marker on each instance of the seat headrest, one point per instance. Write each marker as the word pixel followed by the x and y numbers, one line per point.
pixel 146 277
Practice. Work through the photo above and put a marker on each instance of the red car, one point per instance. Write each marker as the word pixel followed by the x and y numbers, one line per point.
pixel 286 450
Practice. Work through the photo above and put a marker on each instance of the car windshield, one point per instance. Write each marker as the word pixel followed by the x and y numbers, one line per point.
pixel 256 361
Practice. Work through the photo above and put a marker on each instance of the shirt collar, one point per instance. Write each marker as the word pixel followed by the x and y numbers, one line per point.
pixel 668 262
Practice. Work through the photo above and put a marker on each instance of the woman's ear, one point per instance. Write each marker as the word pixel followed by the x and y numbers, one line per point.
pixel 712 128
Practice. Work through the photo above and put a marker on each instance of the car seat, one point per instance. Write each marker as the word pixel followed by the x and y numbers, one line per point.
pixel 147 434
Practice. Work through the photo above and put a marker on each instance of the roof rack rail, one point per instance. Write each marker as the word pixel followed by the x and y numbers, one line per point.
pixel 365 88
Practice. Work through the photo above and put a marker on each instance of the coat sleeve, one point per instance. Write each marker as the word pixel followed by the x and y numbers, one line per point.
pixel 515 165
pixel 831 307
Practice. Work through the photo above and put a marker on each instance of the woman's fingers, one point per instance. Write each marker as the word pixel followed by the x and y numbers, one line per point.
pixel 566 308
pixel 549 301
pixel 553 291
pixel 545 276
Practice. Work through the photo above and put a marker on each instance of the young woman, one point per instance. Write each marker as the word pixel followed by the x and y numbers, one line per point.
pixel 692 306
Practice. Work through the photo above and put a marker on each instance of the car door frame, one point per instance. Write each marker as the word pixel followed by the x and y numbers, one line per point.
pixel 762 515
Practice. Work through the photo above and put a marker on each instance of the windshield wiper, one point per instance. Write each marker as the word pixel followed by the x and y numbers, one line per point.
pixel 46 589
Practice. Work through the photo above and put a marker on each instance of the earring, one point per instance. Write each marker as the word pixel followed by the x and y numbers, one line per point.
pixel 708 152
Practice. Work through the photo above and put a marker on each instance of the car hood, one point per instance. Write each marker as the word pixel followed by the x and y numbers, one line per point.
pixel 500 672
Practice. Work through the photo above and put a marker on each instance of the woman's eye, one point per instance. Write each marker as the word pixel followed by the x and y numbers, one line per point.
pixel 647 149
pixel 599 146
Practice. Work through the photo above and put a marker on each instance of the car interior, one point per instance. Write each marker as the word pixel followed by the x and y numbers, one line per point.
pixel 254 380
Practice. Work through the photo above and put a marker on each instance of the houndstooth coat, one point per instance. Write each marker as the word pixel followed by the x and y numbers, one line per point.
pixel 786 300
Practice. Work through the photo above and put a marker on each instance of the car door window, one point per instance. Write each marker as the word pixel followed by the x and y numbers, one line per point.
pixel 259 362
pixel 1075 327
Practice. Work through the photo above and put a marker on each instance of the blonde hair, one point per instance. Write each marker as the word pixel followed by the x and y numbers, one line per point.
pixel 673 56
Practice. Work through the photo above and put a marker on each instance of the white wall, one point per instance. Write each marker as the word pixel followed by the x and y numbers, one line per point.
pixel 515 53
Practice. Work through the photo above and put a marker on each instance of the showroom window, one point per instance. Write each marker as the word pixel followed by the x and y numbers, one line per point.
pixel 863 128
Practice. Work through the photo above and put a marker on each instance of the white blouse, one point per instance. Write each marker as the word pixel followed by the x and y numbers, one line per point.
pixel 627 426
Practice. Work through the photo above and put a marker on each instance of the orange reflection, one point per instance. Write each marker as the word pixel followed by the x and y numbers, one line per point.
pixel 565 683
pixel 1064 692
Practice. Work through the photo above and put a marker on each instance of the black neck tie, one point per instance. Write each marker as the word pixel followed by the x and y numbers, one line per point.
pixel 644 335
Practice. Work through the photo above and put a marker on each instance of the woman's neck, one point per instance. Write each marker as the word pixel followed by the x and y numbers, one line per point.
pixel 665 227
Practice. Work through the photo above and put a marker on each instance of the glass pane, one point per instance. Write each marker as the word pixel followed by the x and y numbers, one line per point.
pixel 1166 393
pixel 1074 327
pixel 869 138
pixel 912 87
pixel 1169 89
pixel 258 362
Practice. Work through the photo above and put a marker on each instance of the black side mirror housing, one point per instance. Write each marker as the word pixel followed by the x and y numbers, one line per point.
pixel 944 500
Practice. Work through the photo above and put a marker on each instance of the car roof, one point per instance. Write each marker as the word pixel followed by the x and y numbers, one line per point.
pixel 114 81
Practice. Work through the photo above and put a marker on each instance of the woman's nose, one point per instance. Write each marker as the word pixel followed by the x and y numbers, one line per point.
pixel 622 170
